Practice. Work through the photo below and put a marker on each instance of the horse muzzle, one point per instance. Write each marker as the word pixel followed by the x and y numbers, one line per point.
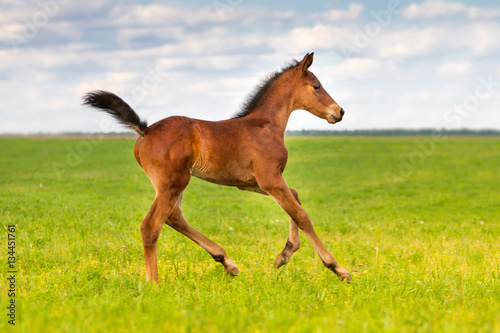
pixel 333 120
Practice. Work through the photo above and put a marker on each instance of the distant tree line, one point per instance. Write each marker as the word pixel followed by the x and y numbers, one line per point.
pixel 397 132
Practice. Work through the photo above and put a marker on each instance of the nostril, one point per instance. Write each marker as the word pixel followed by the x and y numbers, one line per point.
pixel 342 112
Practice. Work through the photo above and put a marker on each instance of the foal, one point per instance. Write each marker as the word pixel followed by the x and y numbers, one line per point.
pixel 247 152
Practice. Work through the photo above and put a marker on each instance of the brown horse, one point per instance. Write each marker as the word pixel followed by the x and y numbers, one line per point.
pixel 247 151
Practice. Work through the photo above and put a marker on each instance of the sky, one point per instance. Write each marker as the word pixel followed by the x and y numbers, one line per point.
pixel 389 64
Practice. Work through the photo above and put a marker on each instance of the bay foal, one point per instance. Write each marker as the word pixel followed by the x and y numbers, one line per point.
pixel 247 152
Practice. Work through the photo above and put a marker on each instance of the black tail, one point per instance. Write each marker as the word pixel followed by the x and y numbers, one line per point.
pixel 116 107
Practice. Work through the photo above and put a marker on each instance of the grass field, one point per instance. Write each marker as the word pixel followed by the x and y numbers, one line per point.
pixel 417 225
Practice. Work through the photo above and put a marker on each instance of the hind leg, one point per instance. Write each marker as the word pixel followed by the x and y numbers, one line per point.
pixel 168 191
pixel 177 222
pixel 151 228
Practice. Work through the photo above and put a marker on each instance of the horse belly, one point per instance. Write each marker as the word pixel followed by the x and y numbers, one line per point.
pixel 230 174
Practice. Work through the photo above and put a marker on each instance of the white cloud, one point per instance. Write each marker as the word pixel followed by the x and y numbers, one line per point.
pixel 411 42
pixel 481 37
pixel 160 14
pixel 12 2
pixel 431 8
pixel 477 13
pixel 454 68
pixel 353 12
pixel 478 38
pixel 359 68
pixel 306 39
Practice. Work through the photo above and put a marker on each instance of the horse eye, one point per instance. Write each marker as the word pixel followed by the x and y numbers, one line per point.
pixel 316 87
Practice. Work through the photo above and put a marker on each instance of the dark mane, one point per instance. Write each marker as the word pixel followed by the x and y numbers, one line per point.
pixel 254 98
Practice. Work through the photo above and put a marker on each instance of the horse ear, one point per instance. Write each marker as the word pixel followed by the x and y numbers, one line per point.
pixel 306 62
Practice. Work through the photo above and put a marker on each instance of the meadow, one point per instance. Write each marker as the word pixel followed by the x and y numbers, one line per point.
pixel 417 223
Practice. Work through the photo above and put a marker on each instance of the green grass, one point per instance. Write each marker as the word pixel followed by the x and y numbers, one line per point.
pixel 423 246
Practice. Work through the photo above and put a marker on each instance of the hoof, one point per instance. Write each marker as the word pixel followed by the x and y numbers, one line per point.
pixel 233 271
pixel 343 274
pixel 280 261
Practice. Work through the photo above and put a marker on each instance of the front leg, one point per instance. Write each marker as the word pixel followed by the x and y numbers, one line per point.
pixel 293 241
pixel 277 188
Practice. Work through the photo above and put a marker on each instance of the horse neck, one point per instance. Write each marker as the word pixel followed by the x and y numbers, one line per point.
pixel 276 106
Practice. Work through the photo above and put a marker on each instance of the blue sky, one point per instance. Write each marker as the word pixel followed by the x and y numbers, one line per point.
pixel 404 64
